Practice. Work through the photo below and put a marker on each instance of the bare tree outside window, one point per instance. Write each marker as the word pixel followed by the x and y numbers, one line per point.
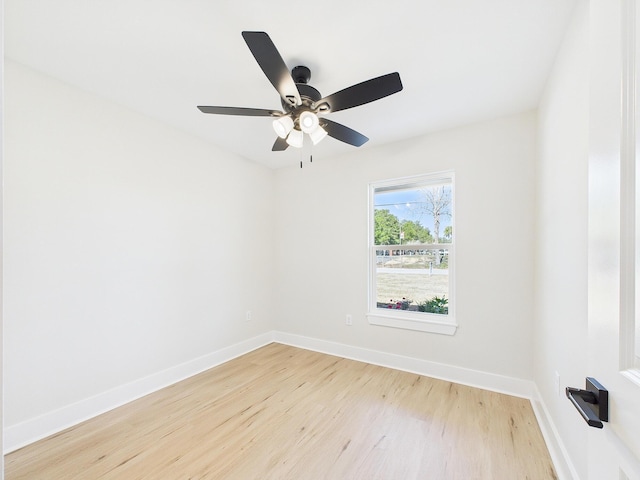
pixel 437 203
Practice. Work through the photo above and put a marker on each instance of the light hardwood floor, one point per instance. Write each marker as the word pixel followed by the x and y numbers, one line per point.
pixel 285 413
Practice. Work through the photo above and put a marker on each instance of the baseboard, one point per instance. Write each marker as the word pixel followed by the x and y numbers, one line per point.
pixel 19 435
pixel 465 376
pixel 555 445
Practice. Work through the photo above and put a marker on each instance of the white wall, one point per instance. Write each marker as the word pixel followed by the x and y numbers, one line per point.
pixel 560 334
pixel 322 209
pixel 130 247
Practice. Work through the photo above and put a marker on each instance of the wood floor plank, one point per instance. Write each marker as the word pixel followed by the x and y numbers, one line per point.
pixel 285 413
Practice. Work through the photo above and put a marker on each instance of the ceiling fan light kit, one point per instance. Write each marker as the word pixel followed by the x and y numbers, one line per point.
pixel 302 103
pixel 308 122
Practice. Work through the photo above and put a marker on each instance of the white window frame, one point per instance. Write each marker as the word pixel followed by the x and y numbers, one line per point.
pixel 419 321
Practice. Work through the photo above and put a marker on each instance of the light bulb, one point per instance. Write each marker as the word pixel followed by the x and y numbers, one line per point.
pixel 295 138
pixel 283 126
pixel 317 135
pixel 308 122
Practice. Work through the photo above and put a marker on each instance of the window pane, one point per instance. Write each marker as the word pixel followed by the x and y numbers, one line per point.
pixel 413 230
pixel 419 215
pixel 414 280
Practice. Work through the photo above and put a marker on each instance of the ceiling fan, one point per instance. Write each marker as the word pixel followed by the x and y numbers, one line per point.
pixel 303 105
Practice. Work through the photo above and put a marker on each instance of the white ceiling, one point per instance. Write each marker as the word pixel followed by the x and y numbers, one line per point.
pixel 460 61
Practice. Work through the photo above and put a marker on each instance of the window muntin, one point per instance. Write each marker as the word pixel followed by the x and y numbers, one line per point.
pixel 411 253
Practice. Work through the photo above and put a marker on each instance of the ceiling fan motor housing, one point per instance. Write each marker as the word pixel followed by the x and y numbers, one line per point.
pixel 301 74
pixel 308 94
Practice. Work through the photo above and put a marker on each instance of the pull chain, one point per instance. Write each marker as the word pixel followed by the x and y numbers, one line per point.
pixel 301 150
pixel 310 152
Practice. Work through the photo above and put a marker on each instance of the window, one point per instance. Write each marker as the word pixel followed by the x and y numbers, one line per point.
pixel 411 248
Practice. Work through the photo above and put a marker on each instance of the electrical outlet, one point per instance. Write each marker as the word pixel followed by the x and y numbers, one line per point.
pixel 247 318
pixel 556 382
pixel 348 320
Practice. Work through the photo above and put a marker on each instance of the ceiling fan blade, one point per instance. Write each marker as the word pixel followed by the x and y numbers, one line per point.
pixel 273 66
pixel 246 112
pixel 361 93
pixel 342 133
pixel 280 145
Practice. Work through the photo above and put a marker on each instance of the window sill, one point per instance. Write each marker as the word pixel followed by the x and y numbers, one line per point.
pixel 413 321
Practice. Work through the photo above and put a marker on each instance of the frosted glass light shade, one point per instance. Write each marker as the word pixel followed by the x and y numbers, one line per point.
pixel 295 138
pixel 283 126
pixel 308 122
pixel 317 135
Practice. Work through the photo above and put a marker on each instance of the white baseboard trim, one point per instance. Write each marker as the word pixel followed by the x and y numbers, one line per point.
pixel 555 445
pixel 21 434
pixel 465 376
